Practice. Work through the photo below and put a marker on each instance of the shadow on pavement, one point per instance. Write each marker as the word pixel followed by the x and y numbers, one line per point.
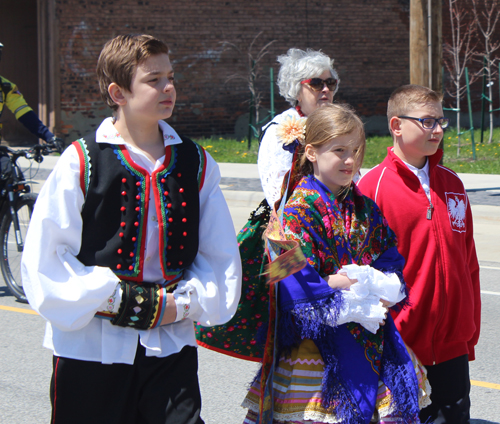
pixel 4 291
pixel 484 197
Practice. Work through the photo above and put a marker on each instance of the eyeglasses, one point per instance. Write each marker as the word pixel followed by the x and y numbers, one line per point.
pixel 317 84
pixel 430 123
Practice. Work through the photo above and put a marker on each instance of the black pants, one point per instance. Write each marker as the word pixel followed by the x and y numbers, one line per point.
pixel 450 383
pixel 151 391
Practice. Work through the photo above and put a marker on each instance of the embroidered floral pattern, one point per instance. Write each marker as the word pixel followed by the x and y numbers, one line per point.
pixel 373 343
pixel 333 234
pixel 185 311
pixel 238 337
pixel 114 136
pixel 317 225
pixel 110 307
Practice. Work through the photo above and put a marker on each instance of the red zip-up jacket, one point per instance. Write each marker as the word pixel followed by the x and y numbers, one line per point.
pixel 441 268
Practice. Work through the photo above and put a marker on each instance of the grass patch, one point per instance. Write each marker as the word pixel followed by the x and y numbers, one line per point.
pixel 487 155
pixel 376 150
pixel 230 150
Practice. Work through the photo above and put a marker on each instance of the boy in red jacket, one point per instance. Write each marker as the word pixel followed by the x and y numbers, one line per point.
pixel 428 208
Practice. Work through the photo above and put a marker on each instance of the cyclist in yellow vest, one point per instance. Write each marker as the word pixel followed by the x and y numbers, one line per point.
pixel 14 100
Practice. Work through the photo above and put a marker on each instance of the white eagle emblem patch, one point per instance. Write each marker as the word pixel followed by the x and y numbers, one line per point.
pixel 456 204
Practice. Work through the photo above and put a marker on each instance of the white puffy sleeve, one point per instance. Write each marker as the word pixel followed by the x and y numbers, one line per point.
pixel 211 288
pixel 58 286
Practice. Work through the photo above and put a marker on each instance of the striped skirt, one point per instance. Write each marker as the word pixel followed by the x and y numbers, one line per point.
pixel 297 391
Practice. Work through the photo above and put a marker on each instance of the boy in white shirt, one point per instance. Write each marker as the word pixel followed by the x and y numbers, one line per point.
pixel 130 242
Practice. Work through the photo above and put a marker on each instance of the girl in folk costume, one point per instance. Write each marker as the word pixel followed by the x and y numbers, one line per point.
pixel 335 354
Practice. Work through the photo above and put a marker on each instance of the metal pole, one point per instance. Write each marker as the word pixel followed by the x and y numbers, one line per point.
pixel 470 114
pixel 483 99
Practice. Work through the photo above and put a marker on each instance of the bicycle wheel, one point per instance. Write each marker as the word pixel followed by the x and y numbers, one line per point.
pixel 10 257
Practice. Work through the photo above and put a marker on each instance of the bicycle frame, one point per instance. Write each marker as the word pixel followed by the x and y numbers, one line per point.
pixel 15 185
pixel 16 206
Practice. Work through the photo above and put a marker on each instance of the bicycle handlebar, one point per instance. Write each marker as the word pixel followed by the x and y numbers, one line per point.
pixel 35 152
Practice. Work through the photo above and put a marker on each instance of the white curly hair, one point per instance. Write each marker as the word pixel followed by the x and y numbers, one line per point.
pixel 298 65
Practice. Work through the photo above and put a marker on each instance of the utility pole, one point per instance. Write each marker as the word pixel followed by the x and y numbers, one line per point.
pixel 426 50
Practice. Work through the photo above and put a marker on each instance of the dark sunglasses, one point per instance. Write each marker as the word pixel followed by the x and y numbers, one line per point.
pixel 317 84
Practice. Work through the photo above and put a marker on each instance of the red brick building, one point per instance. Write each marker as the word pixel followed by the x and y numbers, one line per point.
pixel 51 48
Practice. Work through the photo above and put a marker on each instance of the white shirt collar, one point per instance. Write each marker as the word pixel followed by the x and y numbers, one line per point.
pixel 423 176
pixel 107 133
pixel 415 170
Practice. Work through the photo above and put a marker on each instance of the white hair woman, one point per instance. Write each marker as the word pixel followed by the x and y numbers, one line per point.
pixel 307 80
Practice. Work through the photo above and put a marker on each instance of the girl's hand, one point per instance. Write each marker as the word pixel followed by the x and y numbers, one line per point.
pixel 340 281
pixel 387 305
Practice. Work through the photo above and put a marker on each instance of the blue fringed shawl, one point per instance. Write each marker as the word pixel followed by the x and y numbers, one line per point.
pixel 332 234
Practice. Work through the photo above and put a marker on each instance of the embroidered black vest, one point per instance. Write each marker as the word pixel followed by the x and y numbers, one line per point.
pixel 115 211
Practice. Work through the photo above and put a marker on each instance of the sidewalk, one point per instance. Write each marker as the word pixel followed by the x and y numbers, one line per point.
pixel 471 181
pixel 241 203
pixel 248 170
pixel 486 217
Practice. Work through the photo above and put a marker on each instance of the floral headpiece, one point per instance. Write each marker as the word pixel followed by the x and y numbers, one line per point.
pixel 291 131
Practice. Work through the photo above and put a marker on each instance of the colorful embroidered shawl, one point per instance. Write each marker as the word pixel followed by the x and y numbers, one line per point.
pixel 331 234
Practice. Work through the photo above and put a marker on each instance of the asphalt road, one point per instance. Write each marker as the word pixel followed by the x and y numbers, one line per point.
pixel 25 366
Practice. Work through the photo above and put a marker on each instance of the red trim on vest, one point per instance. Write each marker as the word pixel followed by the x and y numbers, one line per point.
pixel 161 222
pixel 168 155
pixel 108 315
pixel 55 391
pixel 142 246
pixel 82 160
pixel 202 178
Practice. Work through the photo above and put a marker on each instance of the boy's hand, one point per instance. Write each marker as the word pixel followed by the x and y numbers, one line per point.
pixel 137 297
pixel 170 310
pixel 340 281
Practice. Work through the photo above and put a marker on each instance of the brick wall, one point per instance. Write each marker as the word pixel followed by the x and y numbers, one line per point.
pixel 369 41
